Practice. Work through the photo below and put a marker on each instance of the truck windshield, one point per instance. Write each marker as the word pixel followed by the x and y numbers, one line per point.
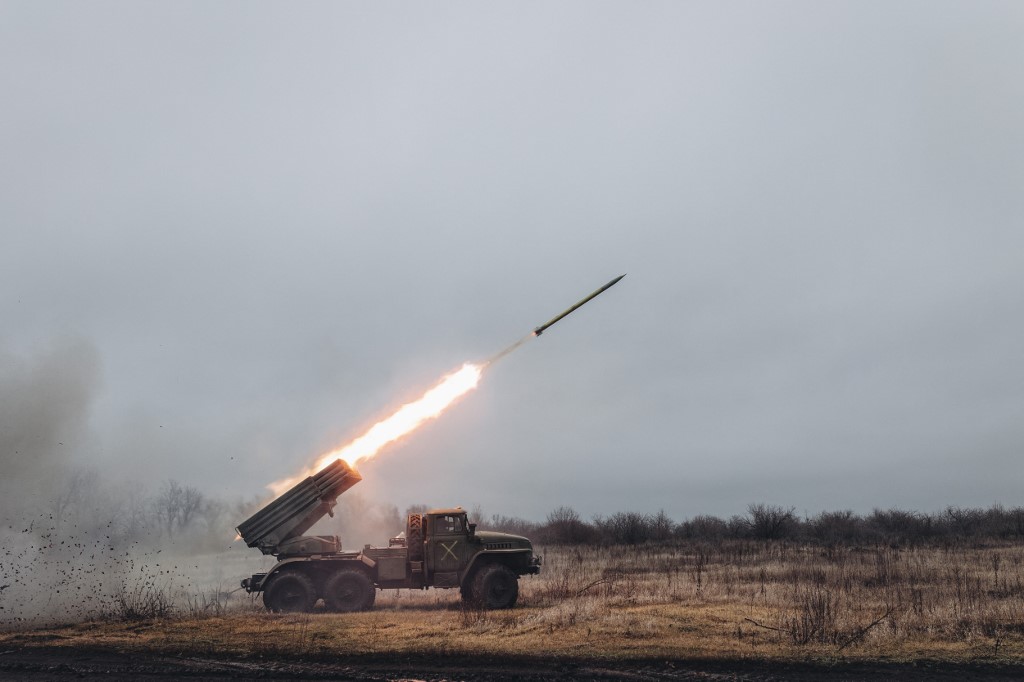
pixel 448 525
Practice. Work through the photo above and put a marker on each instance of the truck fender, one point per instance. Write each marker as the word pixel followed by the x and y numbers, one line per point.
pixel 483 556
pixel 277 569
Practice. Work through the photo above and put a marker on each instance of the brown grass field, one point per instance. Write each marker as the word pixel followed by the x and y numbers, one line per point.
pixel 735 609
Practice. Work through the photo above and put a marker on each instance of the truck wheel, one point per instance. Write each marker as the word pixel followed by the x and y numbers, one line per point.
pixel 349 590
pixel 290 592
pixel 495 587
pixel 414 537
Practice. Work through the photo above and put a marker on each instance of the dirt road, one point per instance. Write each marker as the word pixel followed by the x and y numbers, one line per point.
pixel 62 663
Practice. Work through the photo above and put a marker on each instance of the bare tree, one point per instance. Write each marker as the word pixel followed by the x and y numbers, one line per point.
pixel 769 522
pixel 512 524
pixel 898 525
pixel 175 506
pixel 138 518
pixel 417 509
pixel 836 527
pixel 191 503
pixel 661 527
pixel 628 528
pixel 703 527
pixel 564 526
pixel 964 522
pixel 70 495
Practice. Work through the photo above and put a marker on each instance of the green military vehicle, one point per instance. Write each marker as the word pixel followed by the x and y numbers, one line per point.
pixel 438 549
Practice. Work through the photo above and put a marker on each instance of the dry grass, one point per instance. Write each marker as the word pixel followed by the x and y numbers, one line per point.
pixel 737 600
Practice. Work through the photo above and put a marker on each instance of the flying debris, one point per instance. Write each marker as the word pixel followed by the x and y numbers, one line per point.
pixel 540 330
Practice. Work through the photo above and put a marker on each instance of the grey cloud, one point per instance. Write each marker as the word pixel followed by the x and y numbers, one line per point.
pixel 275 223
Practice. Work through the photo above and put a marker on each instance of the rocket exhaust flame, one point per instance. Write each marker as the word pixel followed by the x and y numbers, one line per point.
pixel 404 420
pixel 430 406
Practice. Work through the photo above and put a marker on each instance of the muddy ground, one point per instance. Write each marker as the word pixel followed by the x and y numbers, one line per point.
pixel 61 663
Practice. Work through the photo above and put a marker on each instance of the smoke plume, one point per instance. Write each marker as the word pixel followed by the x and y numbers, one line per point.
pixel 45 401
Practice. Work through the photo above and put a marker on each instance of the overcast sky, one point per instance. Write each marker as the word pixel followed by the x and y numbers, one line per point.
pixel 232 235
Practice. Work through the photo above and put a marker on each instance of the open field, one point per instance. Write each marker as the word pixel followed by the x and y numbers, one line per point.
pixel 735 608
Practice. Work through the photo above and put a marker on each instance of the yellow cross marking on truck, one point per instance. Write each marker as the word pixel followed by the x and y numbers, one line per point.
pixel 448 550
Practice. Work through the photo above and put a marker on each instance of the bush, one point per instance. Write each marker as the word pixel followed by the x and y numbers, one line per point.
pixel 144 600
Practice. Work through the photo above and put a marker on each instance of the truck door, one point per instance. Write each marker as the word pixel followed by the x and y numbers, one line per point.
pixel 447 548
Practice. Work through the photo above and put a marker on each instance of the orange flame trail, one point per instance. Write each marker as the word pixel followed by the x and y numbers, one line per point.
pixel 406 419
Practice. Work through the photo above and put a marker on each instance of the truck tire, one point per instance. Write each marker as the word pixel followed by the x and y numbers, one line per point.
pixel 349 589
pixel 414 537
pixel 290 592
pixel 495 587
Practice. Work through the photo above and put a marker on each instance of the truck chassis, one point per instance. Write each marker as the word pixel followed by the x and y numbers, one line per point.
pixel 438 549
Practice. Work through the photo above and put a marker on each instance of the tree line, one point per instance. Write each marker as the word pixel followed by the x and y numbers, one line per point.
pixel 85 504
pixel 771 522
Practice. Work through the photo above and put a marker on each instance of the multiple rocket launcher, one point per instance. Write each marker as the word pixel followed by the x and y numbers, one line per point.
pixel 284 520
pixel 289 516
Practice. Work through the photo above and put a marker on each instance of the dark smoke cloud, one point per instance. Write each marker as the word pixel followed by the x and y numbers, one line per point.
pixel 78 539
pixel 45 402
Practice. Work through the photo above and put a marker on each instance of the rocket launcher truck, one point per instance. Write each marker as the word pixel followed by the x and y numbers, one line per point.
pixel 438 549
